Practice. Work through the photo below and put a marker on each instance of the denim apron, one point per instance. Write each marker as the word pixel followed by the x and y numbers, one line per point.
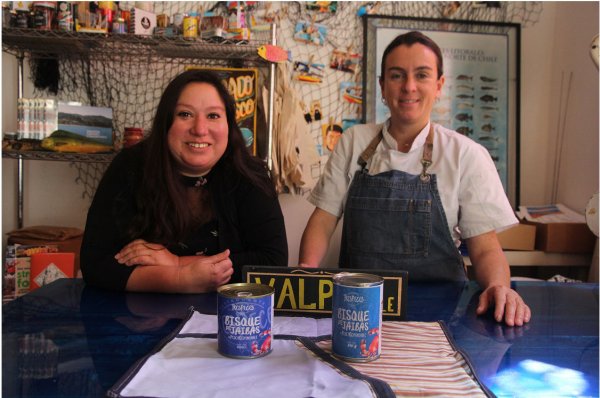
pixel 395 220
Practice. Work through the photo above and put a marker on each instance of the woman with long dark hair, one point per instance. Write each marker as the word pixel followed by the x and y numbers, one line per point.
pixel 188 207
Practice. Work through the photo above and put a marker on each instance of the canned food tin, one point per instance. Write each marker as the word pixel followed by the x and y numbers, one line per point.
pixel 119 26
pixel 64 17
pixel 43 14
pixel 178 19
pixel 190 27
pixel 356 316
pixel 245 313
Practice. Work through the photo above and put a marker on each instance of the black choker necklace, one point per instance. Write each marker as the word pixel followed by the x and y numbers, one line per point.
pixel 200 181
pixel 194 182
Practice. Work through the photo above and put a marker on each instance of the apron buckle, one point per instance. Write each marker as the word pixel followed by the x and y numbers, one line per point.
pixel 425 177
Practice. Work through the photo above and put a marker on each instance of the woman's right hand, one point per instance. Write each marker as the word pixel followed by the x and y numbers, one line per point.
pixel 209 272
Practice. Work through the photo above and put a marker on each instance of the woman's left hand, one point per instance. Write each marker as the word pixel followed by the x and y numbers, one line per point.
pixel 140 252
pixel 508 305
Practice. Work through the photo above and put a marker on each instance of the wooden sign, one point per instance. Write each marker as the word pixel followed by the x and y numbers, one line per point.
pixel 310 290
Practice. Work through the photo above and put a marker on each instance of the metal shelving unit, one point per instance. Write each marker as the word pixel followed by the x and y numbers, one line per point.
pixel 44 43
pixel 30 43
pixel 59 156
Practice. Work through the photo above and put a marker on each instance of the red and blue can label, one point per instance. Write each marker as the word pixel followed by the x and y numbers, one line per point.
pixel 245 314
pixel 356 316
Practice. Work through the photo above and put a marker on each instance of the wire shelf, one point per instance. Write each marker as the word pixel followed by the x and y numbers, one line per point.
pixel 55 44
pixel 59 156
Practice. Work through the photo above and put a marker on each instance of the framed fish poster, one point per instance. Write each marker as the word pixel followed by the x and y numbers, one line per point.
pixel 242 85
pixel 481 94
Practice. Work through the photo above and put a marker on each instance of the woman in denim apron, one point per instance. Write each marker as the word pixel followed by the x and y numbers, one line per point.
pixel 394 217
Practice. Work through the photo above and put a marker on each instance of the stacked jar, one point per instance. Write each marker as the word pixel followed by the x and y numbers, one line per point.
pixel 132 136
pixel 43 14
pixel 64 16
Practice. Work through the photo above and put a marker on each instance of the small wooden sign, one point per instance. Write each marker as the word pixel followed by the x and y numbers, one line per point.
pixel 310 290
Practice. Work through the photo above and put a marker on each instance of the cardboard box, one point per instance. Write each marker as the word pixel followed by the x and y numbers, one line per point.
pixel 564 238
pixel 519 237
pixel 142 22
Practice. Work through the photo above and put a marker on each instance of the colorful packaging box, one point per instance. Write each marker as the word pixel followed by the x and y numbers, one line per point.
pixel 48 267
pixel 17 268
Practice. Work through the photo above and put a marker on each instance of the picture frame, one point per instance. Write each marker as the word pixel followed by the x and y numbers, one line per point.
pixel 481 94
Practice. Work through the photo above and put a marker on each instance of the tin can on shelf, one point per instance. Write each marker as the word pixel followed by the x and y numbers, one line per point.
pixel 132 136
pixel 178 19
pixel 43 14
pixel 64 16
pixel 118 26
pixel 245 315
pixel 190 26
pixel 356 316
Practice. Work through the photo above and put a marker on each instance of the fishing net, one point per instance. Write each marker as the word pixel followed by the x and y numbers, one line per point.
pixel 132 84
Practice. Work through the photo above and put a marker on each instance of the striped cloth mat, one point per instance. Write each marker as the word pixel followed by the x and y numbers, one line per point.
pixel 417 360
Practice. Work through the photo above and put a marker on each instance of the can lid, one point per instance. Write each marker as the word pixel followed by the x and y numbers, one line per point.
pixel 357 279
pixel 241 290
pixel 47 4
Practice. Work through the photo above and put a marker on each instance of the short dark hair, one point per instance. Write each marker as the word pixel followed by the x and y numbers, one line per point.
pixel 408 39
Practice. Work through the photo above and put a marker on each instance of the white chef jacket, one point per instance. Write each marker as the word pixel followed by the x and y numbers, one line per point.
pixel 469 185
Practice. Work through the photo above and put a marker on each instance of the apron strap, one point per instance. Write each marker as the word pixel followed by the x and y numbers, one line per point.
pixel 366 155
pixel 370 150
pixel 427 155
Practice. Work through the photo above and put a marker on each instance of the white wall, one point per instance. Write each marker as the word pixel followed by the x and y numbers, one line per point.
pixel 576 25
pixel 558 42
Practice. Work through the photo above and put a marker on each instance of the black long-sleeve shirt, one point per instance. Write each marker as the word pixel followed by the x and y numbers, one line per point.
pixel 249 223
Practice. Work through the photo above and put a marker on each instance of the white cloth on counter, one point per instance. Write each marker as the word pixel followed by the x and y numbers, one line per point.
pixel 189 365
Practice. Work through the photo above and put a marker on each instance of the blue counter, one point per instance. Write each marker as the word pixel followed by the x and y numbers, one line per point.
pixel 70 340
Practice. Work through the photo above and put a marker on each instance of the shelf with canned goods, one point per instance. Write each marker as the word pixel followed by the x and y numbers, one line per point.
pixel 52 43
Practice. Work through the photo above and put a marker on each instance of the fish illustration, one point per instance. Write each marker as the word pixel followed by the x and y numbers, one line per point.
pixel 488 138
pixel 487 79
pixel 463 117
pixel 274 53
pixel 488 98
pixel 489 146
pixel 65 141
pixel 464 87
pixel 488 127
pixel 486 116
pixel 464 130
pixel 464 77
pixel 489 108
pixel 463 96
pixel 464 105
pixel 489 88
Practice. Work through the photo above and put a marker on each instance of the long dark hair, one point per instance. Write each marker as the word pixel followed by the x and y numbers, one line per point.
pixel 162 212
pixel 408 39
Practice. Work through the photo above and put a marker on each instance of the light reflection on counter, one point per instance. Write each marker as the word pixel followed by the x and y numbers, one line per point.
pixel 538 379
